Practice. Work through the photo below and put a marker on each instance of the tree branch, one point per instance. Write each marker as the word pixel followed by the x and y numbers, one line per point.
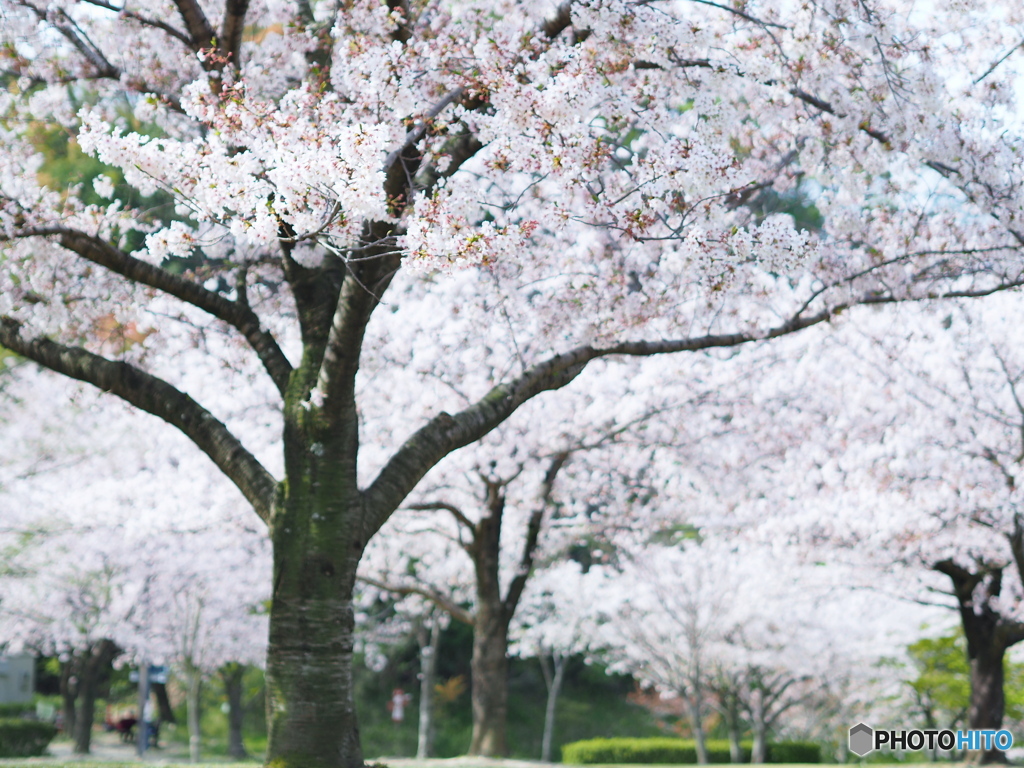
pixel 236 314
pixel 457 513
pixel 232 28
pixel 144 20
pixel 455 611
pixel 518 583
pixel 157 397
pixel 199 28
pixel 446 433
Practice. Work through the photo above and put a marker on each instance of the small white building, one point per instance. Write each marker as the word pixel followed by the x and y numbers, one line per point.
pixel 17 679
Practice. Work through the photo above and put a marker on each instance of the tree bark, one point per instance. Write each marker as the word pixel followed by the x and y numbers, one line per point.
pixel 163 702
pixel 232 674
pixel 317 541
pixel 989 635
pixel 68 694
pixel 554 678
pixel 693 710
pixel 92 666
pixel 490 684
pixel 988 702
pixel 489 665
pixel 731 709
pixel 195 682
pixel 428 678
pixel 759 726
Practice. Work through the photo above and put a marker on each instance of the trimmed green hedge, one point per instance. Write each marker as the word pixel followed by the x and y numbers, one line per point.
pixel 24 738
pixel 679 751
pixel 17 710
pixel 794 752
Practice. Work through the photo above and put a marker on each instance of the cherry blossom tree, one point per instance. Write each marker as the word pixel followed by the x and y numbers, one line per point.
pixel 949 493
pixel 554 624
pixel 907 461
pixel 396 224
pixel 736 625
pixel 545 491
pixel 135 567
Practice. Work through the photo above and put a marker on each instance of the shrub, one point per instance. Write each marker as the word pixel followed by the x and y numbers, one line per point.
pixel 16 710
pixel 24 738
pixel 794 752
pixel 678 751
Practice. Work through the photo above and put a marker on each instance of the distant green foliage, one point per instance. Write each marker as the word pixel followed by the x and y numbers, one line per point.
pixel 942 688
pixel 65 166
pixel 942 685
pixel 25 738
pixel 678 751
pixel 591 703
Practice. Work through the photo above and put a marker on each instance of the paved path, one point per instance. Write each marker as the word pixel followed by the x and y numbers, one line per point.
pixel 108 748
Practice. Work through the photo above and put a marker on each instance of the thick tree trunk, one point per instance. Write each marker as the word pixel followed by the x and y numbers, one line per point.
pixel 490 684
pixel 92 667
pixel 554 678
pixel 316 534
pixel 988 702
pixel 428 678
pixel 988 635
pixel 231 675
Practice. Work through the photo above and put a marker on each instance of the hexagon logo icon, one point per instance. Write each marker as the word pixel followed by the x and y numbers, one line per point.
pixel 861 738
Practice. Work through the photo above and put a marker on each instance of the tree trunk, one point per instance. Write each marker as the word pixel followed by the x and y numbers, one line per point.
pixel 163 702
pixel 759 752
pixel 489 665
pixel 731 707
pixel 68 694
pixel 988 636
pixel 987 699
pixel 490 684
pixel 428 678
pixel 232 674
pixel 554 678
pixel 693 710
pixel 195 682
pixel 92 667
pixel 316 535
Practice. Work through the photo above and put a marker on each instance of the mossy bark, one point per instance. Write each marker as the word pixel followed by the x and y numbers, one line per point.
pixel 316 534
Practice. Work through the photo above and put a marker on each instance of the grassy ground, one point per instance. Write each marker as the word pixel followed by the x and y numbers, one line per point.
pixel 44 762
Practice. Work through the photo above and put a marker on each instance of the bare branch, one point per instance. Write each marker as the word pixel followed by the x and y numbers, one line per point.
pixel 741 14
pixel 144 20
pixel 448 606
pixel 999 61
pixel 518 583
pixel 199 28
pixel 457 513
pixel 232 28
